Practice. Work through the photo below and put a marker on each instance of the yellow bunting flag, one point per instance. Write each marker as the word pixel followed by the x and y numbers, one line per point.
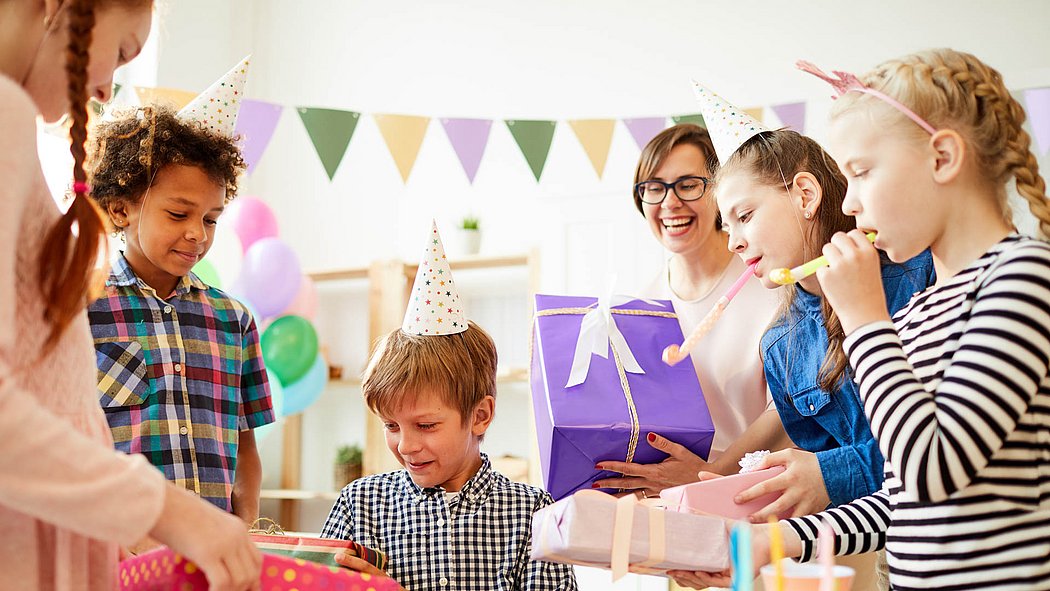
pixel 404 135
pixel 756 112
pixel 169 96
pixel 595 136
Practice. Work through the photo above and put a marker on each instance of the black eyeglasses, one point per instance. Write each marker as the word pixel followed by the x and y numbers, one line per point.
pixel 689 188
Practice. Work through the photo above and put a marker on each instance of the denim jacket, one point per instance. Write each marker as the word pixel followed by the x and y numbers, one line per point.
pixel 832 424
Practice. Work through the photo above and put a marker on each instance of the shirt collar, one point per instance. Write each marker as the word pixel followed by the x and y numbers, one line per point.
pixel 474 491
pixel 122 275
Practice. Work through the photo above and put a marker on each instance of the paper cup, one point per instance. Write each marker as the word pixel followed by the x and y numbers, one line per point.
pixel 805 577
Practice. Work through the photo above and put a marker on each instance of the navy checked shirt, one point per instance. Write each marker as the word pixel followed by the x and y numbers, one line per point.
pixel 480 541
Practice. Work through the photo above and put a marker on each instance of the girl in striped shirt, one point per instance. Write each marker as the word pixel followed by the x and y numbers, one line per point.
pixel 956 386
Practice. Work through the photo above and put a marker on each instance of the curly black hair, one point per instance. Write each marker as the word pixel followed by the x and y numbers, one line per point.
pixel 127 153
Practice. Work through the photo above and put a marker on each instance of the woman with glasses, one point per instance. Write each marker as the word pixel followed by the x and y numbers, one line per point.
pixel 673 192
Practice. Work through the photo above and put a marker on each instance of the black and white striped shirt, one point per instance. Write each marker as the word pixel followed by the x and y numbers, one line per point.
pixel 478 541
pixel 959 400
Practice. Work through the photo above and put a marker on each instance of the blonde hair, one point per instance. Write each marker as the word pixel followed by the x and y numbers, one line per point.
pixel 955 90
pixel 773 158
pixel 459 368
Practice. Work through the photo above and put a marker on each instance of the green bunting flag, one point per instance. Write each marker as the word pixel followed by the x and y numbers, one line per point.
pixel 330 131
pixel 534 139
pixel 696 118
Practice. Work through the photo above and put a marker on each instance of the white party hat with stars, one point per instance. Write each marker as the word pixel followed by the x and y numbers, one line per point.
pixel 729 126
pixel 217 107
pixel 434 306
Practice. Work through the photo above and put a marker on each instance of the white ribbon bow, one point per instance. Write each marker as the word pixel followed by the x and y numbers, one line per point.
pixel 597 332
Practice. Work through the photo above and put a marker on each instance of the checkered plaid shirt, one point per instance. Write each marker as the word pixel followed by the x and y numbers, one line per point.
pixel 478 542
pixel 179 379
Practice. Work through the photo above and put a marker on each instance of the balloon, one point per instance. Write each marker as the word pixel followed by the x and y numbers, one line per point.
pixel 251 219
pixel 207 273
pixel 303 393
pixel 277 397
pixel 225 254
pixel 305 302
pixel 270 276
pixel 289 347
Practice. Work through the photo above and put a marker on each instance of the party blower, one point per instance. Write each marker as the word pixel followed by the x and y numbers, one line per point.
pixel 675 353
pixel 786 276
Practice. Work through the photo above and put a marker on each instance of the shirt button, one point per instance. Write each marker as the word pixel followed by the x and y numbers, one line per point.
pixel 443 581
pixel 167 309
pixel 183 430
pixel 178 368
pixel 811 407
pixel 441 522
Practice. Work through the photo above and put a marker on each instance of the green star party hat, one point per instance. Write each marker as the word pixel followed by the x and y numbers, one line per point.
pixel 218 106
pixel 434 306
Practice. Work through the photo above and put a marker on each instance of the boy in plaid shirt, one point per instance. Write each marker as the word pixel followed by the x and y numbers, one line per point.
pixel 448 520
pixel 181 376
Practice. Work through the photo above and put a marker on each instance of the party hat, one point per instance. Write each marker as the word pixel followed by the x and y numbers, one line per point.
pixel 729 126
pixel 217 107
pixel 434 306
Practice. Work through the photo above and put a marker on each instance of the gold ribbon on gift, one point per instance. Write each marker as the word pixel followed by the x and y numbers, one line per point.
pixel 631 408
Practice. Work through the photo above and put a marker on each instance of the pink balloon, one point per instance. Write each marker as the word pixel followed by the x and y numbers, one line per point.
pixel 305 302
pixel 251 219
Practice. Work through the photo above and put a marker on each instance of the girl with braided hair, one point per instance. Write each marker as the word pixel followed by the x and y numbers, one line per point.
pixel 67 499
pixel 956 386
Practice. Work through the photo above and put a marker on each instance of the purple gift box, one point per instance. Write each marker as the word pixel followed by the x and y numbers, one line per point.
pixel 607 417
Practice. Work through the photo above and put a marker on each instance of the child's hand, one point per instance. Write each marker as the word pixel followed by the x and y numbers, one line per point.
pixel 349 559
pixel 802 487
pixel 852 281
pixel 702 580
pixel 680 467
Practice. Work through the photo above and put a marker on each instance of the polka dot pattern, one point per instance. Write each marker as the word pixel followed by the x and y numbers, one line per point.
pixel 729 126
pixel 217 107
pixel 434 306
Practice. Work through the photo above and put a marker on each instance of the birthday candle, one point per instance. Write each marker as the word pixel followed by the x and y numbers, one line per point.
pixel 675 353
pixel 746 569
pixel 776 551
pixel 786 276
pixel 826 554
pixel 734 556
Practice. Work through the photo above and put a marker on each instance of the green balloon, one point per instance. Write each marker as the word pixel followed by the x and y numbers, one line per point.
pixel 289 347
pixel 207 273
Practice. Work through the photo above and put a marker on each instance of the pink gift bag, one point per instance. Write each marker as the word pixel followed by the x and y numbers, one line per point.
pixel 164 569
pixel 715 497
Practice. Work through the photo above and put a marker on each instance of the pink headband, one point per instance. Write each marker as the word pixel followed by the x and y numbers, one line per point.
pixel 845 82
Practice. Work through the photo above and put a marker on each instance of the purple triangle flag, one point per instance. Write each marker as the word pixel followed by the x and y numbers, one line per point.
pixel 1037 104
pixel 792 115
pixel 255 125
pixel 469 138
pixel 644 129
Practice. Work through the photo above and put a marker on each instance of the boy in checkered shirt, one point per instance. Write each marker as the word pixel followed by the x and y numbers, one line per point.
pixel 448 520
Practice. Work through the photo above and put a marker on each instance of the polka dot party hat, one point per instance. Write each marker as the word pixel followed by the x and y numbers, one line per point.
pixel 434 306
pixel 729 126
pixel 218 106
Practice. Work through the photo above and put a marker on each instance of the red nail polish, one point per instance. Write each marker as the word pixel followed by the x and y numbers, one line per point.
pixel 651 437
pixel 595 485
pixel 598 467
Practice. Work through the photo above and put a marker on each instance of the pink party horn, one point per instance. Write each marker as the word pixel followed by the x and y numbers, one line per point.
pixel 675 353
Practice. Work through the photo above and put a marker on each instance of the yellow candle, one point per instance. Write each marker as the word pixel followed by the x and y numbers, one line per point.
pixel 776 551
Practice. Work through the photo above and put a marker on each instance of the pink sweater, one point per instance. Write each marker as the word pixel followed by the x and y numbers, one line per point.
pixel 66 498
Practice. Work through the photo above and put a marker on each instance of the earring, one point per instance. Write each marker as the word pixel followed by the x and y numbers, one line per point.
pixel 808 215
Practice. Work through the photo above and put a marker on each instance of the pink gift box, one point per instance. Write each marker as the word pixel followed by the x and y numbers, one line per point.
pixel 715 497
pixel 164 569
pixel 580 529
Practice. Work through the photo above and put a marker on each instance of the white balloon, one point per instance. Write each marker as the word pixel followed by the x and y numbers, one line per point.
pixel 226 254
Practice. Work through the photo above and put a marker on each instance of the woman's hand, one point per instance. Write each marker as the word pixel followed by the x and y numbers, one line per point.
pixel 349 559
pixel 680 467
pixel 801 485
pixel 852 281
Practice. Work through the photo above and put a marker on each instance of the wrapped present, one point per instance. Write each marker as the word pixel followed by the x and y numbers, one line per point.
pixel 320 550
pixel 163 569
pixel 715 496
pixel 599 386
pixel 591 528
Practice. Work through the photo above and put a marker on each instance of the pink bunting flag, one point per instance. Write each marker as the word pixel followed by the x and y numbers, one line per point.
pixel 469 138
pixel 255 125
pixel 792 115
pixel 644 129
pixel 1037 104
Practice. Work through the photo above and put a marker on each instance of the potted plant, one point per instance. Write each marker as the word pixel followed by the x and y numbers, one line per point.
pixel 347 465
pixel 469 236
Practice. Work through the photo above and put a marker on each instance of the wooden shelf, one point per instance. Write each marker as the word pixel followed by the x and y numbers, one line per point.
pixel 409 269
pixel 292 494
